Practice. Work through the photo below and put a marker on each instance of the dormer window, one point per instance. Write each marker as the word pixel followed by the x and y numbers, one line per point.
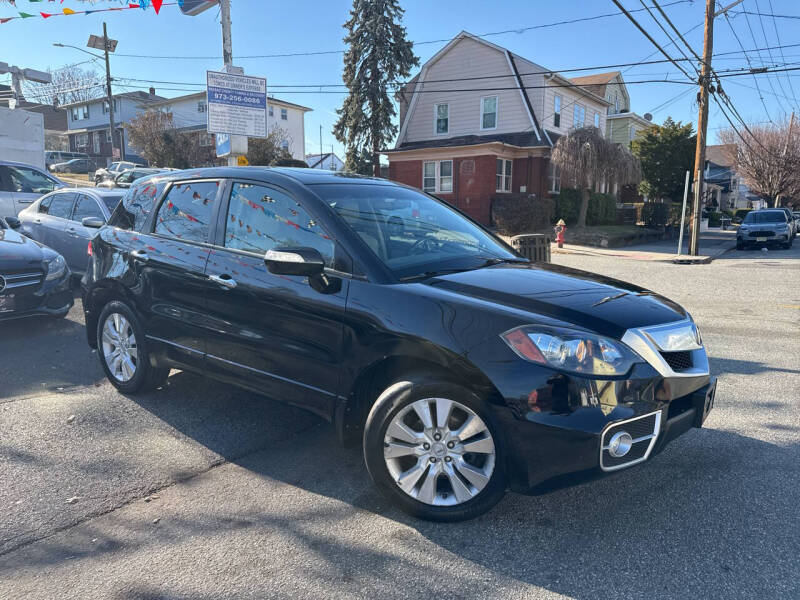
pixel 441 116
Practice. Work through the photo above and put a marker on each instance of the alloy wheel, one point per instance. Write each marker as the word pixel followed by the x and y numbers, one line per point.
pixel 120 351
pixel 439 452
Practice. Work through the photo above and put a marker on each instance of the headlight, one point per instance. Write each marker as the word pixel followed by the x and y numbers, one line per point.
pixel 55 268
pixel 569 350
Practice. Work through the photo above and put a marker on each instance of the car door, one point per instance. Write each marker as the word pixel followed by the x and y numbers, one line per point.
pixel 7 206
pixel 54 224
pixel 273 333
pixel 169 260
pixel 78 236
pixel 28 185
pixel 32 221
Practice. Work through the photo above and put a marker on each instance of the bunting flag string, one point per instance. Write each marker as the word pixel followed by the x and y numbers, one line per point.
pixel 66 12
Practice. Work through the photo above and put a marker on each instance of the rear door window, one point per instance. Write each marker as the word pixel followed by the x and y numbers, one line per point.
pixel 61 206
pixel 136 205
pixel 185 213
pixel 44 205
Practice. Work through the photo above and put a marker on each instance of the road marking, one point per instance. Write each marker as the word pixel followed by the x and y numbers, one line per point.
pixel 795 306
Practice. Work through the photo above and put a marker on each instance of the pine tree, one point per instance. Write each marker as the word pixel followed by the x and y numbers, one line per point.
pixel 378 55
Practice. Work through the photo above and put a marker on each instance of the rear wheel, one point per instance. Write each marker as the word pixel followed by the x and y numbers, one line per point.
pixel 123 352
pixel 433 449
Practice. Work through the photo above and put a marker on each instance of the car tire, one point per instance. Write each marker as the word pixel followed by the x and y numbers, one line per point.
pixel 120 335
pixel 435 486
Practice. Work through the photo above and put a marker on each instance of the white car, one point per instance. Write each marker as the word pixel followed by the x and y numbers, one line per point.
pixel 21 185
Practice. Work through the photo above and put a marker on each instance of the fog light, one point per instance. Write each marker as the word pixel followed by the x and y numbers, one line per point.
pixel 620 444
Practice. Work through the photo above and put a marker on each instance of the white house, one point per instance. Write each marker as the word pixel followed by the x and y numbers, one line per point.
pixel 327 161
pixel 189 113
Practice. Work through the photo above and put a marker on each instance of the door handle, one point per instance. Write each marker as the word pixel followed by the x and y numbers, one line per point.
pixel 225 281
pixel 140 255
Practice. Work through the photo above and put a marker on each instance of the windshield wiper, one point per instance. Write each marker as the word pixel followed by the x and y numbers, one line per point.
pixel 429 274
pixel 490 262
pixel 610 298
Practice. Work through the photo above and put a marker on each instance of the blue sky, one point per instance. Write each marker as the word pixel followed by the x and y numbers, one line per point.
pixel 274 27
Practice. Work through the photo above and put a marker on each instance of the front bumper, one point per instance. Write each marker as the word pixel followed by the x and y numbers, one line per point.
pixel 547 450
pixel 51 298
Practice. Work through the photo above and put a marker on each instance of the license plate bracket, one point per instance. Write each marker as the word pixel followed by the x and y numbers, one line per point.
pixel 761 239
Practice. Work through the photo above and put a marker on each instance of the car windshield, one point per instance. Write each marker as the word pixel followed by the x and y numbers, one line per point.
pixel 413 234
pixel 111 202
pixel 772 216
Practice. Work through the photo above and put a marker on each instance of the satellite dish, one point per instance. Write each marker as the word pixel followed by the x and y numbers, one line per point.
pixel 648 117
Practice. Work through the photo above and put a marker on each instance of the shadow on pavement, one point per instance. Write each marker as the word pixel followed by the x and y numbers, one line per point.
pixel 698 517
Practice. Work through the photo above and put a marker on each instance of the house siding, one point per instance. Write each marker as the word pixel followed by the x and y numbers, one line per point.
pixel 569 99
pixel 467 59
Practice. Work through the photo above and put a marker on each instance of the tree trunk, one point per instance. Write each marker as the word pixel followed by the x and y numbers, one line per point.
pixel 376 161
pixel 584 207
pixel 777 201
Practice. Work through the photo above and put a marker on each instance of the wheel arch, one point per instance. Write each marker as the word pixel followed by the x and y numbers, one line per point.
pixel 354 406
pixel 95 299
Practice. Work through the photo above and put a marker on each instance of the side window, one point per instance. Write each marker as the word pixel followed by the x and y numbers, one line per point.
pixel 61 206
pixel 186 211
pixel 86 207
pixel 260 218
pixel 44 205
pixel 30 181
pixel 137 205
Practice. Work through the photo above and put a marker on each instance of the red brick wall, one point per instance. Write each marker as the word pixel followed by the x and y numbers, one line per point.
pixel 474 181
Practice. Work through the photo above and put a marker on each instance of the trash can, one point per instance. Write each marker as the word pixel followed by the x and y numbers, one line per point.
pixel 533 246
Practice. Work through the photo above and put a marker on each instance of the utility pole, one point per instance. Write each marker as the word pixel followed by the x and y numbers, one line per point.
pixel 227 45
pixel 702 126
pixel 110 97
pixel 321 151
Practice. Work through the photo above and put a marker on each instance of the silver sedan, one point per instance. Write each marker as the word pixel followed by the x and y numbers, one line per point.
pixel 65 220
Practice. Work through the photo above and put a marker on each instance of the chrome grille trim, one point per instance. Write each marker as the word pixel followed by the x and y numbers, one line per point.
pixel 18 280
pixel 642 343
pixel 650 439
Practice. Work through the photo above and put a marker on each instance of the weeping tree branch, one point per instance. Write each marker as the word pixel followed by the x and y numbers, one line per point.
pixel 586 159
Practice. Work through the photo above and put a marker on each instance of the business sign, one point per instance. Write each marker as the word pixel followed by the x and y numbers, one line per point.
pixel 237 104
pixel 223 145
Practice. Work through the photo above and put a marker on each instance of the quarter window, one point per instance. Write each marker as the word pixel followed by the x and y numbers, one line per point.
pixel 261 218
pixel 489 112
pixel 186 211
pixel 557 111
pixel 441 117
pixel 503 176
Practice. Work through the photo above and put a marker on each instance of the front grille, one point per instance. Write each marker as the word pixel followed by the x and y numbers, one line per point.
pixel 678 361
pixel 644 431
pixel 20 280
pixel 762 233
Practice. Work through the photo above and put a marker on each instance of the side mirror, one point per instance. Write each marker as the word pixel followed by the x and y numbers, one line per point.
pixel 92 222
pixel 294 261
pixel 13 222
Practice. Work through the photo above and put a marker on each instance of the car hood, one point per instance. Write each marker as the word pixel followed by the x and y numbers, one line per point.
pixel 20 252
pixel 589 301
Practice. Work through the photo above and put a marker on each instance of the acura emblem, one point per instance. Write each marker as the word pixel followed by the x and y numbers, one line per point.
pixel 2 283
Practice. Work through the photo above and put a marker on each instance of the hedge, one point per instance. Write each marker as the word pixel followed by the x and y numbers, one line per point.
pixel 513 216
pixel 602 209
pixel 715 219
pixel 656 214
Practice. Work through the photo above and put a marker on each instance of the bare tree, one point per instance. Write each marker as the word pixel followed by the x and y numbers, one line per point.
pixel 70 84
pixel 767 158
pixel 586 159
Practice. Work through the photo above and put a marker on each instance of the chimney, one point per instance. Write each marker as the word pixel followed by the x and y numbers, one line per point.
pixel 152 91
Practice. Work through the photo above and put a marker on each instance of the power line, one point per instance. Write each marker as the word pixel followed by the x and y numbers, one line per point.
pixel 778 37
pixel 766 40
pixel 747 58
pixel 669 37
pixel 680 35
pixel 769 81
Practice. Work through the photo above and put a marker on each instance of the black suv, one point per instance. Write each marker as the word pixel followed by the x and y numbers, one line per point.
pixel 464 369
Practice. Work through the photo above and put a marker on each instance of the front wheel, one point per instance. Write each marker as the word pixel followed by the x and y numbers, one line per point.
pixel 432 447
pixel 123 352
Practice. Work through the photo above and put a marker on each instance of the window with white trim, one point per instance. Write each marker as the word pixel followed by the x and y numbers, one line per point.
pixel 271 111
pixel 632 134
pixel 105 106
pixel 579 116
pixel 437 176
pixel 557 111
pixel 441 118
pixel 82 140
pixel 554 179
pixel 108 136
pixel 284 114
pixel 201 107
pixel 503 175
pixel 489 112
pixel 597 120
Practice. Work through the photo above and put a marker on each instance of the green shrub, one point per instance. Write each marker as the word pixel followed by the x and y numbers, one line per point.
pixel 675 213
pixel 513 216
pixel 715 219
pixel 568 205
pixel 602 209
pixel 741 213
pixel 655 214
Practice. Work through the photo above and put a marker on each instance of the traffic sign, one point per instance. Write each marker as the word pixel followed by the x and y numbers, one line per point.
pixel 223 145
pixel 242 161
pixel 237 104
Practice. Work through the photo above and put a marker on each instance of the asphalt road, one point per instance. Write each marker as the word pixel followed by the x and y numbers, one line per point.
pixel 201 491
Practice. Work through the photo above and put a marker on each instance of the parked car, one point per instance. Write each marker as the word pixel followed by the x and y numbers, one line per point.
pixel 765 226
pixel 54 157
pixel 76 165
pixel 124 179
pixel 112 171
pixel 67 219
pixel 34 280
pixel 462 367
pixel 790 219
pixel 22 184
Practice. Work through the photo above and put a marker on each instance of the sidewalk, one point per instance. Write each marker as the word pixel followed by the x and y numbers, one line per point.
pixel 712 245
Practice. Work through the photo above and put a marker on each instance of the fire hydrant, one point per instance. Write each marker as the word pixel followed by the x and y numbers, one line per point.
pixel 560 229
